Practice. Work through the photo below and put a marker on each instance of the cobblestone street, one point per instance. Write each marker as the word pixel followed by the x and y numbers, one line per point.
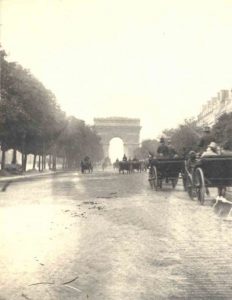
pixel 105 236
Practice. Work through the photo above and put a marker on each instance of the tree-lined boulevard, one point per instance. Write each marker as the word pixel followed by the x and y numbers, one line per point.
pixel 115 150
pixel 101 235
pixel 32 122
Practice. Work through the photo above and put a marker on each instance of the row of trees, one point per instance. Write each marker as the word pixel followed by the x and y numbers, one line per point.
pixel 32 122
pixel 146 147
pixel 186 137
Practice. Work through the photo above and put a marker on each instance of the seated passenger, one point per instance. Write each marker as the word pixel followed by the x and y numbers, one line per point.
pixel 226 150
pixel 171 150
pixel 211 150
pixel 150 155
pixel 162 150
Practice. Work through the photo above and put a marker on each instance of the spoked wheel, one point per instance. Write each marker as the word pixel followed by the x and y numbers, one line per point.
pixel 200 185
pixel 153 178
pixel 189 187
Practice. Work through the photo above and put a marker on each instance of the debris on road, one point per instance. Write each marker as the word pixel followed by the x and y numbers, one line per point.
pixel 67 282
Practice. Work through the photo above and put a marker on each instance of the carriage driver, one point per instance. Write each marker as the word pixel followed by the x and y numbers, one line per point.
pixel 124 158
pixel 206 139
pixel 162 150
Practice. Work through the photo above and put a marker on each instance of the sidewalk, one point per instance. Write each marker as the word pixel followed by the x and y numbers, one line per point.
pixel 29 174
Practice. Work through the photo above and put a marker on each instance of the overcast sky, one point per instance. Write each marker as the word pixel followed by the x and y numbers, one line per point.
pixel 157 60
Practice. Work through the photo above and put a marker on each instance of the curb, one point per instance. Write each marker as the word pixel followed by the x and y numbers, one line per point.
pixel 27 176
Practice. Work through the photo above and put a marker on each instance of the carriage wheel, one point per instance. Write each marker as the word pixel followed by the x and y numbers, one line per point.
pixel 189 187
pixel 153 179
pixel 150 177
pixel 200 185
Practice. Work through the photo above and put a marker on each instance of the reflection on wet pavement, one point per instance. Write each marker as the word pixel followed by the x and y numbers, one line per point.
pixel 108 236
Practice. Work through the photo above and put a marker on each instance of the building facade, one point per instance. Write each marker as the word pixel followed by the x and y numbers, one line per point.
pixel 214 108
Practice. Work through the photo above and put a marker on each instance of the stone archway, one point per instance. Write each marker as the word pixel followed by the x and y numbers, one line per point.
pixel 127 129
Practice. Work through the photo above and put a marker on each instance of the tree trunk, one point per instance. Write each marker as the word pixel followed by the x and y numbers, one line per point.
pixel 49 162
pixel 54 163
pixel 22 162
pixel 3 161
pixel 63 163
pixel 39 163
pixel 44 162
pixel 34 161
pixel 14 157
pixel 25 162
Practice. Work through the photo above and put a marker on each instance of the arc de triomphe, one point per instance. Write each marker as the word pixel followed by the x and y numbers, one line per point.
pixel 127 129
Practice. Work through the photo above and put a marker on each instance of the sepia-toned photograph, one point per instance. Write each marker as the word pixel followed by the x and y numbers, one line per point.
pixel 115 149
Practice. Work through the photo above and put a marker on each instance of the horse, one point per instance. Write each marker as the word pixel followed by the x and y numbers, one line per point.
pixel 125 166
pixel 136 165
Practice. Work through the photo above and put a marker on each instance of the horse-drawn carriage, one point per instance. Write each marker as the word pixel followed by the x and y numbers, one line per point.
pixel 209 172
pixel 124 166
pixel 130 166
pixel 165 169
pixel 86 166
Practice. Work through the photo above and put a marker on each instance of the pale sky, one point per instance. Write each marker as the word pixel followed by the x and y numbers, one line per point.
pixel 159 60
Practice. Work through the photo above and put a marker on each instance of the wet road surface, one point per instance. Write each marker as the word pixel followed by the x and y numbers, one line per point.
pixel 105 236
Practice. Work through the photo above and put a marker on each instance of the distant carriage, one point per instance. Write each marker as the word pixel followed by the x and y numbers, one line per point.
pixel 106 163
pixel 129 166
pixel 124 166
pixel 136 165
pixel 165 170
pixel 86 166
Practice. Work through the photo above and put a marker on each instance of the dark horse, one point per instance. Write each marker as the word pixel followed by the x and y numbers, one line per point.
pixel 136 165
pixel 86 166
pixel 125 166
